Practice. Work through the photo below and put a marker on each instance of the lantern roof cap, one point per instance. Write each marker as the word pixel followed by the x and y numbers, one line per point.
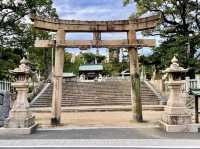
pixel 24 61
pixel 23 68
pixel 174 67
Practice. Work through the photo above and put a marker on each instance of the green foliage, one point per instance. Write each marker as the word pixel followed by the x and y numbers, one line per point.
pixel 114 55
pixel 114 68
pixel 179 25
pixel 73 67
pixel 17 36
pixel 9 59
pixel 90 58
pixel 14 14
pixel 68 57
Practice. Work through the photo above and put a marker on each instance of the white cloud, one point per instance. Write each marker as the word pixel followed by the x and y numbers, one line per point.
pixel 94 10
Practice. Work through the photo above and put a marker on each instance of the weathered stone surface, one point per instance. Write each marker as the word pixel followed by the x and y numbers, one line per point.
pixel 18 131
pixel 5 106
pixel 57 80
pixel 96 26
pixel 20 115
pixel 176 117
pixel 101 43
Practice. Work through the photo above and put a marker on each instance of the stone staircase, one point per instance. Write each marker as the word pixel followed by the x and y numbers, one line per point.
pixel 96 94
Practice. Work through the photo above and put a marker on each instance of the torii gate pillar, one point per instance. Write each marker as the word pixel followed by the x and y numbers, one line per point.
pixel 57 80
pixel 135 78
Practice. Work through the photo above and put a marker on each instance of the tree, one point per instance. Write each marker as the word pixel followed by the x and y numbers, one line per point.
pixel 114 55
pixel 178 27
pixel 73 67
pixel 89 58
pixel 17 34
pixel 15 14
pixel 9 59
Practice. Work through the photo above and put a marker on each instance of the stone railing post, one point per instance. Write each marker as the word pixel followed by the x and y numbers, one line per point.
pixel 197 77
pixel 187 84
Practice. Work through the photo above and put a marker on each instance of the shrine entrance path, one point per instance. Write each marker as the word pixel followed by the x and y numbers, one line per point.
pixel 119 119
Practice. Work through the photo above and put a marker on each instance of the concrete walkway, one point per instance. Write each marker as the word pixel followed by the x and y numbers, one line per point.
pixel 101 129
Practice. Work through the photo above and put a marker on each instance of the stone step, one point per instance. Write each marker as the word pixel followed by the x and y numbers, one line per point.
pixel 96 93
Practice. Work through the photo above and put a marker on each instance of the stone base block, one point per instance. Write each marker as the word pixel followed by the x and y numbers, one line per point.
pixel 180 128
pixel 19 122
pixel 175 119
pixel 18 131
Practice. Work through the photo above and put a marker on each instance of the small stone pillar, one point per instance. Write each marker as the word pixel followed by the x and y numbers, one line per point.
pixel 197 77
pixel 176 117
pixel 20 116
pixel 187 84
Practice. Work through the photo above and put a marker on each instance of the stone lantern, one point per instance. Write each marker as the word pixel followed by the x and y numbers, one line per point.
pixel 176 117
pixel 20 116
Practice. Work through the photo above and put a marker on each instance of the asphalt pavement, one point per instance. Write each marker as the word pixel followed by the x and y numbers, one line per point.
pixel 97 138
pixel 103 133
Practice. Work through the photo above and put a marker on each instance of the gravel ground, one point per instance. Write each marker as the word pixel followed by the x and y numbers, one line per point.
pixel 99 119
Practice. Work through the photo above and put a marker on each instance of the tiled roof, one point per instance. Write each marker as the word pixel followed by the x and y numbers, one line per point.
pixel 91 67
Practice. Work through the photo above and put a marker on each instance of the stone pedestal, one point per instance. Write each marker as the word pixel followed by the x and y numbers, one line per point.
pixel 20 115
pixel 20 120
pixel 176 117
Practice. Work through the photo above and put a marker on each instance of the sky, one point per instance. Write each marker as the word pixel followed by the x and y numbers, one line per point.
pixel 95 10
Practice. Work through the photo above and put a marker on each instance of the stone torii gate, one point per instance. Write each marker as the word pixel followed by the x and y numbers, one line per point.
pixel 61 27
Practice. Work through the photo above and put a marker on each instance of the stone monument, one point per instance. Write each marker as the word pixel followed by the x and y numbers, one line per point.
pixel 5 106
pixel 20 120
pixel 176 117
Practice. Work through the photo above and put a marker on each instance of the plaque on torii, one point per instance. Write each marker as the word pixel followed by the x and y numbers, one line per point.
pixel 61 27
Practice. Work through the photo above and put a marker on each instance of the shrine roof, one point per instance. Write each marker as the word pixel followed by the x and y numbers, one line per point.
pixel 91 67
pixel 195 92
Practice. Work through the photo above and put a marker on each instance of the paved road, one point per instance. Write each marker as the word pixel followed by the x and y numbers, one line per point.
pixel 118 144
pixel 104 133
pixel 93 148
pixel 103 137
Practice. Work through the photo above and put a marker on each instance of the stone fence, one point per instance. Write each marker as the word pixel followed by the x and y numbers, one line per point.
pixel 191 83
pixel 188 84
pixel 36 87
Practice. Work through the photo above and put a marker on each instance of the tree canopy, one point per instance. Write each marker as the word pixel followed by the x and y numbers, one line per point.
pixel 14 18
pixel 179 27
pixel 17 35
